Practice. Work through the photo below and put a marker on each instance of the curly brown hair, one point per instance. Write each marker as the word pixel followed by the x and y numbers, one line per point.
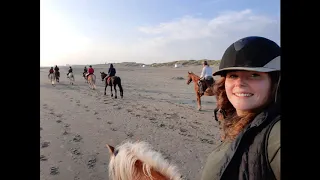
pixel 233 124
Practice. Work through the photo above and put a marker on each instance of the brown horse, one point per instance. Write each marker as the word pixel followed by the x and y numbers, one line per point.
pixel 112 81
pixel 207 87
pixel 138 161
pixel 57 75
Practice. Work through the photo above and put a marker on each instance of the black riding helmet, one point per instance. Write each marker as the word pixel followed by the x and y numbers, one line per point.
pixel 251 53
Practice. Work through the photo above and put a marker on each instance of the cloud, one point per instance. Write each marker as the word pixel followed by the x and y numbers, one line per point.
pixel 196 38
pixel 187 37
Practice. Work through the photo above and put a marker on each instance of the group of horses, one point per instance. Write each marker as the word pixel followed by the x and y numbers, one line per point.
pixel 138 160
pixel 90 79
pixel 55 77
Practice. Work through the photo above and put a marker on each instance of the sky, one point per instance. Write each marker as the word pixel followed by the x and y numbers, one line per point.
pixel 86 32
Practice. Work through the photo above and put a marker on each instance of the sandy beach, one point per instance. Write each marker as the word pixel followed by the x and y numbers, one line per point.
pixel 158 107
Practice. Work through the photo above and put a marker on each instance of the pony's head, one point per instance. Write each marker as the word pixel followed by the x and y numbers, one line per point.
pixel 103 75
pixel 189 78
pixel 133 161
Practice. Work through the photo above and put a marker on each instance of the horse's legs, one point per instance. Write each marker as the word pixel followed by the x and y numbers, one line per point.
pixel 120 87
pixel 121 90
pixel 105 88
pixel 94 84
pixel 115 90
pixel 111 90
pixel 199 101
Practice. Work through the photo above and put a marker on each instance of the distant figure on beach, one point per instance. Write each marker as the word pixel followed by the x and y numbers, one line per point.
pixel 70 70
pixel 56 69
pixel 51 71
pixel 206 74
pixel 111 72
pixel 85 71
pixel 90 71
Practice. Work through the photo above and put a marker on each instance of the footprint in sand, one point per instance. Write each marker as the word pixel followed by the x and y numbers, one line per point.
pixel 129 134
pixel 66 125
pixel 54 170
pixel 58 121
pixel 65 132
pixel 85 106
pixel 171 126
pixel 45 144
pixel 91 162
pixel 87 110
pixel 75 151
pixel 183 130
pixel 98 118
pixel 45 106
pixel 129 110
pixel 113 129
pixel 206 141
pixel 162 125
pixel 196 122
pixel 43 158
pixel 59 115
pixel 109 122
pixel 95 113
pixel 77 138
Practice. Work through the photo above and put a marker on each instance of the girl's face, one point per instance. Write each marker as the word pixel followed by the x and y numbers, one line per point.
pixel 247 90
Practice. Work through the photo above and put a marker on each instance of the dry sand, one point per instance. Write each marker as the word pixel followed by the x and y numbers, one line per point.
pixel 77 122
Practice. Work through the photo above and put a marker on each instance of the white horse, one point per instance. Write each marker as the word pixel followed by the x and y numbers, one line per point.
pixel 92 81
pixel 138 161
pixel 52 78
pixel 71 78
pixel 85 77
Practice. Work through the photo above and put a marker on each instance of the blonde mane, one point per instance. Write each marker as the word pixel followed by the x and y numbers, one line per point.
pixel 122 166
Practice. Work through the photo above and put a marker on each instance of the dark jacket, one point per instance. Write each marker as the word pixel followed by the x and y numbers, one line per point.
pixel 112 72
pixel 254 154
pixel 70 70
pixel 56 68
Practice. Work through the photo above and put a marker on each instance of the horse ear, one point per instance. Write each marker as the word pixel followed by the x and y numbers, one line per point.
pixel 188 72
pixel 111 149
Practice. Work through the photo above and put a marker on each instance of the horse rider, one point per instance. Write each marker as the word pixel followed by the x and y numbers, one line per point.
pixel 111 72
pixel 206 74
pixel 70 70
pixel 50 71
pixel 90 71
pixel 85 70
pixel 56 69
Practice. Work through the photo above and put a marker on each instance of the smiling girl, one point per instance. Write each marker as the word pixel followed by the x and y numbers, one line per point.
pixel 248 95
